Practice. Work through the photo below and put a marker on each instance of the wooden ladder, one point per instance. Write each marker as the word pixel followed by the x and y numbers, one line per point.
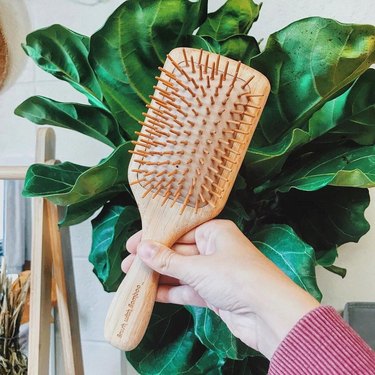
pixel 49 257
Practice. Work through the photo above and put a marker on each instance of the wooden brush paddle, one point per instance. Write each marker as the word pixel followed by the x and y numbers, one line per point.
pixel 194 137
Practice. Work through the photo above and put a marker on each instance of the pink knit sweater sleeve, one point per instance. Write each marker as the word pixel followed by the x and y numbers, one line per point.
pixel 322 343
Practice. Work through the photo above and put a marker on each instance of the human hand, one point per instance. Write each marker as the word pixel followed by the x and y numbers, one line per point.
pixel 216 266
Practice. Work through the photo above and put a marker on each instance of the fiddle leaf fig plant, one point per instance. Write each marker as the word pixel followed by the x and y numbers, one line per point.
pixel 302 189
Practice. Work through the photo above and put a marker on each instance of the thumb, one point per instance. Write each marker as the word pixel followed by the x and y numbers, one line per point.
pixel 164 260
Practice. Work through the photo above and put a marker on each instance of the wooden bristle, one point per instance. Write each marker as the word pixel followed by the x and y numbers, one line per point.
pixel 177 195
pixel 148 191
pixel 206 63
pixel 200 56
pixel 144 135
pixel 213 70
pixel 140 153
pixel 226 70
pixel 235 140
pixel 186 201
pixel 158 190
pixel 192 93
pixel 217 64
pixel 164 93
pixel 192 64
pixel 166 83
pixel 215 171
pixel 237 68
pixel 211 203
pixel 236 111
pixel 178 122
pixel 203 91
pixel 231 87
pixel 221 81
pixel 185 57
pixel 247 82
pixel 196 86
pixel 194 130
pixel 160 102
pixel 179 68
pixel 249 114
pixel 253 106
pixel 224 102
pixel 185 114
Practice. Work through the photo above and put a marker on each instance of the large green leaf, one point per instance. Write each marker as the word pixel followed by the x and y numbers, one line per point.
pixel 42 180
pixel 88 120
pixel 326 260
pixel 248 366
pixel 346 165
pixel 215 335
pixel 328 217
pixel 293 256
pixel 308 63
pixel 63 53
pixel 141 33
pixel 107 61
pixel 351 115
pixel 234 17
pixel 78 212
pixel 264 162
pixel 170 346
pixel 67 183
pixel 237 47
pixel 111 229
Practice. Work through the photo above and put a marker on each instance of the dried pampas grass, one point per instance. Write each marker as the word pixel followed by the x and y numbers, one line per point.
pixel 12 299
pixel 3 58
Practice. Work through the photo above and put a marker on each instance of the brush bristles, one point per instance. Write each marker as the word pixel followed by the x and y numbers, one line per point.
pixel 196 125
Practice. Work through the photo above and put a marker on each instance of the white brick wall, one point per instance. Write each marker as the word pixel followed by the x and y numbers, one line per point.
pixel 17 147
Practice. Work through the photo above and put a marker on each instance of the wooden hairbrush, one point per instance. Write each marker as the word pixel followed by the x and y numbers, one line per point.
pixel 196 131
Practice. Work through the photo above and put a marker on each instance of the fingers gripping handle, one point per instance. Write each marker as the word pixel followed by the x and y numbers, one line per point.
pixel 130 311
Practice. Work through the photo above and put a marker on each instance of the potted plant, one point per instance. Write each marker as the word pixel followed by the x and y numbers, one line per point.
pixel 302 189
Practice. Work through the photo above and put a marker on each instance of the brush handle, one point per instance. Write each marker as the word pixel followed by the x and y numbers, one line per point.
pixel 130 311
pixel 131 307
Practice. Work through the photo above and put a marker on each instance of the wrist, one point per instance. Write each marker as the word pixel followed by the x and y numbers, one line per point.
pixel 284 313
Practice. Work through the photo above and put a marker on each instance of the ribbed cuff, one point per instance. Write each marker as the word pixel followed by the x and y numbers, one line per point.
pixel 322 343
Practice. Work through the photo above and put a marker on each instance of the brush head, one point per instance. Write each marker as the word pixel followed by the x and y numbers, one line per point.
pixel 196 130
pixel 193 139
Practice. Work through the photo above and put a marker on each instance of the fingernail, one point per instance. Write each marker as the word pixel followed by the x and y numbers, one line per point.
pixel 147 250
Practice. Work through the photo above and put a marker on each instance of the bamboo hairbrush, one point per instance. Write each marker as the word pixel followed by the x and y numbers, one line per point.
pixel 194 137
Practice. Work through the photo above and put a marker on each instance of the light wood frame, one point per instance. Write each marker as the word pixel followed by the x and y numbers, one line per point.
pixel 49 257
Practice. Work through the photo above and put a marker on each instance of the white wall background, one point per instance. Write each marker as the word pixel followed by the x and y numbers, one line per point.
pixel 17 147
